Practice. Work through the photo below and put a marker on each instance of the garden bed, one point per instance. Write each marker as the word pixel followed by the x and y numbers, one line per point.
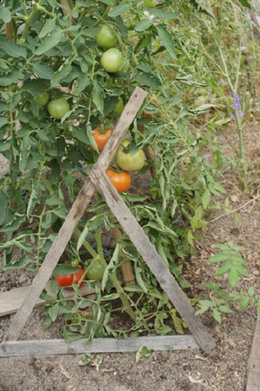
pixel 225 368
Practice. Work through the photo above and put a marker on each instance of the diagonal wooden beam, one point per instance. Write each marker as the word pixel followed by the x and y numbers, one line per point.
pixel 77 210
pixel 152 258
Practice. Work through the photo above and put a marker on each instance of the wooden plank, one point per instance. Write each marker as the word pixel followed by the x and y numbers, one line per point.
pixel 152 258
pixel 98 345
pixel 77 210
pixel 11 301
pixel 253 367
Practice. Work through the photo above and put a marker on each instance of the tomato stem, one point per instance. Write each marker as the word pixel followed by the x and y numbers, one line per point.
pixel 126 305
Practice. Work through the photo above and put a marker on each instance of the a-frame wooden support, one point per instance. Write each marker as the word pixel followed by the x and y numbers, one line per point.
pixel 99 180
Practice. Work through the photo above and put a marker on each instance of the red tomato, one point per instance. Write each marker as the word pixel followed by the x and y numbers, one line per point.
pixel 69 279
pixel 121 180
pixel 101 137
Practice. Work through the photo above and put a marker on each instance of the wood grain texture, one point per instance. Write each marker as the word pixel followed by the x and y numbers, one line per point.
pixel 253 367
pixel 152 259
pixel 98 345
pixel 77 210
pixel 11 301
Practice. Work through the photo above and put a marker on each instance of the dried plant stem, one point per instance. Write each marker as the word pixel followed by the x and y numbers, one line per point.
pixel 235 210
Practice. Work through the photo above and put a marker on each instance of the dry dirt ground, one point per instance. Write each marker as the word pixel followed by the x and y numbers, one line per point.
pixel 223 369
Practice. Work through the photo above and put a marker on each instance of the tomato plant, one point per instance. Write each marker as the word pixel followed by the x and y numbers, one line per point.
pixel 106 38
pixel 112 60
pixel 73 278
pixel 57 108
pixel 121 180
pixel 127 161
pixel 101 136
pixel 87 57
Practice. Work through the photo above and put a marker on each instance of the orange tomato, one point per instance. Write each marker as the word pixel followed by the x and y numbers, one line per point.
pixel 101 137
pixel 121 180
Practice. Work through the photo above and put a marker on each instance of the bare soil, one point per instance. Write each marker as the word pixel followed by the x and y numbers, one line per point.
pixel 223 369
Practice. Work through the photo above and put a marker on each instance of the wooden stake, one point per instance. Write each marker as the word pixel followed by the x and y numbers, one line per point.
pixel 126 267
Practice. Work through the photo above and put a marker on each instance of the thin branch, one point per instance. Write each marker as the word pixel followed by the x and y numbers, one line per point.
pixel 235 210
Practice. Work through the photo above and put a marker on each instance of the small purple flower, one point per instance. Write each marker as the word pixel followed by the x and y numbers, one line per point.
pixel 236 96
pixel 236 105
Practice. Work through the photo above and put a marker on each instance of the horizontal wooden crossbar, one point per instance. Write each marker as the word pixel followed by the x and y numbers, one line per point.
pixel 98 345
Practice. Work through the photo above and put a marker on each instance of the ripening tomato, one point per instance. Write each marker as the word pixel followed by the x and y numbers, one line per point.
pixel 106 38
pixel 57 108
pixel 95 271
pixel 101 137
pixel 42 99
pixel 127 161
pixel 112 60
pixel 121 180
pixel 69 279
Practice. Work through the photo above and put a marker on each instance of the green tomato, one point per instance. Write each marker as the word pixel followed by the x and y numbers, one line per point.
pixel 112 60
pixel 106 38
pixel 57 108
pixel 127 161
pixel 74 262
pixel 95 271
pixel 42 99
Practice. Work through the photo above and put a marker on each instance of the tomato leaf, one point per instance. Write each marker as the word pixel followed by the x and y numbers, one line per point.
pixel 82 236
pixel 12 49
pixel 61 270
pixel 50 42
pixel 63 71
pixel 53 312
pixel 139 279
pixel 47 28
pixel 42 70
pixel 163 14
pixel 205 199
pixel 143 25
pixel 166 40
pixel 5 14
pixel 145 79
pixel 98 98
pixel 83 81
pixel 119 10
